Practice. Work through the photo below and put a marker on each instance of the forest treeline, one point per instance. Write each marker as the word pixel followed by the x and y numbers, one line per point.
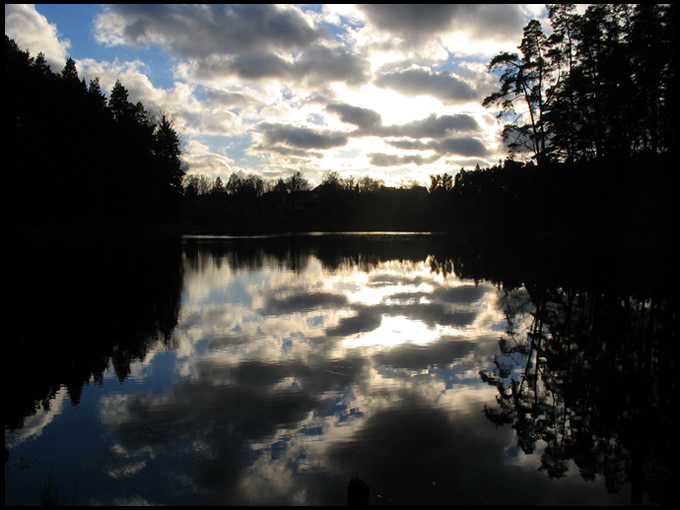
pixel 78 159
pixel 589 117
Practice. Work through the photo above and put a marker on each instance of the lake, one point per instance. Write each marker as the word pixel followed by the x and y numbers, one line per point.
pixel 273 370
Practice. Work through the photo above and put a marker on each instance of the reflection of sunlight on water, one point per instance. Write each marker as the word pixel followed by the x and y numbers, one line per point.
pixel 386 279
pixel 393 330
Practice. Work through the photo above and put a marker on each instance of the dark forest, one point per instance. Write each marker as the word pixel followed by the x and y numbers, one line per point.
pixel 589 120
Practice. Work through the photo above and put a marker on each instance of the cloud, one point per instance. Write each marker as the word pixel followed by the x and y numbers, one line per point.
pixel 403 18
pixel 198 31
pixel 408 145
pixel 467 146
pixel 380 159
pixel 464 146
pixel 316 65
pixel 288 153
pixel 252 41
pixel 414 23
pixel 226 98
pixel 321 64
pixel 360 117
pixel 301 138
pixel 369 123
pixel 31 31
pixel 251 66
pixel 418 82
pixel 434 126
pixel 443 132
pixel 203 161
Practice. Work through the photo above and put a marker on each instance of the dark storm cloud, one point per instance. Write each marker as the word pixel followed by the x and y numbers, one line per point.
pixel 360 117
pixel 300 138
pixel 380 159
pixel 418 82
pixel 198 31
pixel 416 22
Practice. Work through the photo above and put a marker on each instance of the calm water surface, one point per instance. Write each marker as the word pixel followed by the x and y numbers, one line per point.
pixel 273 370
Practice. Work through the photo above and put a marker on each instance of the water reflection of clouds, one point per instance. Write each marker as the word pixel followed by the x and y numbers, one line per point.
pixel 34 425
pixel 283 370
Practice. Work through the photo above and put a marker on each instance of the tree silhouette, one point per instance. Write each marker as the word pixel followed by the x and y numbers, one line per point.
pixel 601 86
pixel 524 78
pixel 297 182
pixel 70 73
pixel 118 102
pixel 118 165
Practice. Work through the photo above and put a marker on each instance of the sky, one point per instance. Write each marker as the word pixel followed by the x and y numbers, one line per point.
pixel 391 91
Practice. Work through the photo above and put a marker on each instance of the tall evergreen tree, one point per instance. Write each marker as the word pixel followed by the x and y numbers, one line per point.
pixel 167 151
pixel 118 102
pixel 524 79
pixel 70 72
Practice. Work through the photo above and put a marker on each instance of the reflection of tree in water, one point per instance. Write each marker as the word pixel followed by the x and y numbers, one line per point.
pixel 79 307
pixel 334 251
pixel 589 374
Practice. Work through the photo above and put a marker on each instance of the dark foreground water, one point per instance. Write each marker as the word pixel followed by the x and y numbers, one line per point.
pixel 274 370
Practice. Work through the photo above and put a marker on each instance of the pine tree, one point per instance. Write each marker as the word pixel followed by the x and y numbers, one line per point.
pixel 119 104
pixel 526 80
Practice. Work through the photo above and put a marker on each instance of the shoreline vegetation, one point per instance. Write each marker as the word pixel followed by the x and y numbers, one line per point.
pixel 591 163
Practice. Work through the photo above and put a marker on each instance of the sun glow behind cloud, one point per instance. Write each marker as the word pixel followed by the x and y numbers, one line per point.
pixel 260 74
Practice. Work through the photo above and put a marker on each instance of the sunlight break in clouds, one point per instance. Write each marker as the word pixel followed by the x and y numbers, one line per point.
pixel 271 89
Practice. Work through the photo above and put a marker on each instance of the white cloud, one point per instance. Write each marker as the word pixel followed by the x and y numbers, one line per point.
pixel 31 30
pixel 202 160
